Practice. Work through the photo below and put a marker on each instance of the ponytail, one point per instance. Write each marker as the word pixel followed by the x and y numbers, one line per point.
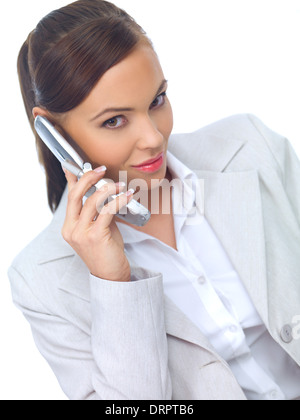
pixel 55 178
pixel 25 80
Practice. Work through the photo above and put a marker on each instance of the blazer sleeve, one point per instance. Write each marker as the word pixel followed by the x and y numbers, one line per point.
pixel 125 355
pixel 287 162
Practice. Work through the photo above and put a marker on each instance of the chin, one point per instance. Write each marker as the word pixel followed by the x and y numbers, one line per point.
pixel 155 179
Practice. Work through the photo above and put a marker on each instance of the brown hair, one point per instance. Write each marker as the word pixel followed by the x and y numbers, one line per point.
pixel 62 60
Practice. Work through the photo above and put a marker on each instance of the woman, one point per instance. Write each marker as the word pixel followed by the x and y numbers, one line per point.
pixel 190 306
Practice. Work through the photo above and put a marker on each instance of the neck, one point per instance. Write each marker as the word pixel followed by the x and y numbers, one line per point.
pixel 160 198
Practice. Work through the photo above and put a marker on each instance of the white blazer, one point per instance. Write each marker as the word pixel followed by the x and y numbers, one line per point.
pixel 107 340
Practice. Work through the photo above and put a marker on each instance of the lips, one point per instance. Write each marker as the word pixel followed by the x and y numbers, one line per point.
pixel 149 162
pixel 151 165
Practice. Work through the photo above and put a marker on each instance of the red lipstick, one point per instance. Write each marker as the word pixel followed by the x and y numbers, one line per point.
pixel 152 165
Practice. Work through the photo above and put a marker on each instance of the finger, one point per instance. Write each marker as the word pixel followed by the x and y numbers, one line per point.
pixel 71 179
pixel 78 190
pixel 93 206
pixel 111 209
pixel 88 180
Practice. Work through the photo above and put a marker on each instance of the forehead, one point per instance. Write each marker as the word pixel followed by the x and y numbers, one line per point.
pixel 136 77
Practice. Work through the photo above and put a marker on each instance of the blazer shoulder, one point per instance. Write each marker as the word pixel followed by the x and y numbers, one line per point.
pixel 215 146
pixel 23 274
pixel 47 247
pixel 241 126
pixel 225 139
pixel 28 257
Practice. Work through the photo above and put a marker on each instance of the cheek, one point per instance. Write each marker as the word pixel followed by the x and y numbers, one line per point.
pixel 100 149
pixel 114 158
pixel 108 154
pixel 104 151
pixel 115 155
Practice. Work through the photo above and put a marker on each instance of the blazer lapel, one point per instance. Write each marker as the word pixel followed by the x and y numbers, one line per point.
pixel 55 247
pixel 179 326
pixel 233 208
pixel 204 150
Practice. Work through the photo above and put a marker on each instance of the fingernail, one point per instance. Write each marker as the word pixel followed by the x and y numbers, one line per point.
pixel 130 192
pixel 100 169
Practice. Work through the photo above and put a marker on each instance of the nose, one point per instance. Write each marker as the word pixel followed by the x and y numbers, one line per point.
pixel 149 136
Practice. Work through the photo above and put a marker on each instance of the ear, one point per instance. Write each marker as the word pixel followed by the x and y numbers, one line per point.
pixel 39 111
pixel 43 113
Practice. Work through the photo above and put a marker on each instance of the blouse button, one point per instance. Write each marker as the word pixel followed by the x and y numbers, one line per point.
pixel 287 334
pixel 201 280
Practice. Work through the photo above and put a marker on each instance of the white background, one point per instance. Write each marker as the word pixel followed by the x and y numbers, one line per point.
pixel 220 57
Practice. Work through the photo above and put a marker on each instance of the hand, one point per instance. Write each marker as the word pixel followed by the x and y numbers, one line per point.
pixel 92 233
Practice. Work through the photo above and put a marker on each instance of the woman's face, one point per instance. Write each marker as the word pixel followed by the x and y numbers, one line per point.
pixel 126 120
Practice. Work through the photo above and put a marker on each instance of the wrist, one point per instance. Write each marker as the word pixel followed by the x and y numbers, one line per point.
pixel 125 278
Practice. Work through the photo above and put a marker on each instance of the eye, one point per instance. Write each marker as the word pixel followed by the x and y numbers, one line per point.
pixel 115 122
pixel 159 101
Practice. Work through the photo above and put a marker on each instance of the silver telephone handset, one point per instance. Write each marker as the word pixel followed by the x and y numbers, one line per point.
pixel 137 214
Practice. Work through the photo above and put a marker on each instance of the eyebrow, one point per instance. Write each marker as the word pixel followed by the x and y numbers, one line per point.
pixel 116 110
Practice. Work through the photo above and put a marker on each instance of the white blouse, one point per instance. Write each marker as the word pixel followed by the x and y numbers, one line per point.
pixel 200 279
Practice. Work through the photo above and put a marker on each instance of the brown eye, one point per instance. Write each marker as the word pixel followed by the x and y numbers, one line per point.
pixel 115 122
pixel 159 101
